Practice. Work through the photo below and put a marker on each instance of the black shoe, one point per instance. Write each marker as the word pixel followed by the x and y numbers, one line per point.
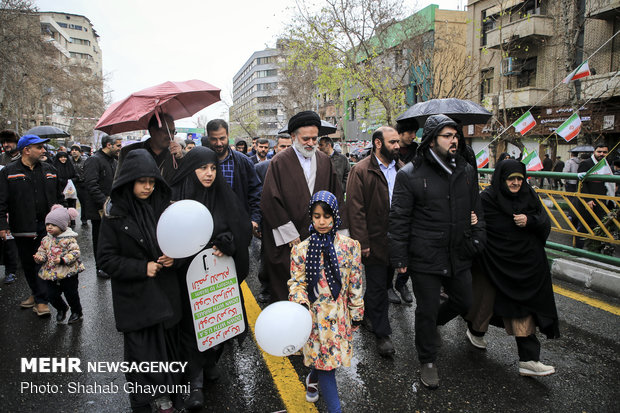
pixel 405 294
pixel 367 324
pixel 429 375
pixel 74 318
pixel 393 297
pixel 196 400
pixel 84 223
pixel 385 346
pixel 212 373
pixel 102 274
pixel 60 317
pixel 264 297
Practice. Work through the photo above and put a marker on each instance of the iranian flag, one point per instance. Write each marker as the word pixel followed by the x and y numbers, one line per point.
pixel 524 123
pixel 601 168
pixel 482 158
pixel 582 70
pixel 531 160
pixel 570 128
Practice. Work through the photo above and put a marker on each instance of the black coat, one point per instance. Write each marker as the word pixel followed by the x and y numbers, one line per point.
pixel 139 301
pixel 98 177
pixel 430 227
pixel 17 196
pixel 247 185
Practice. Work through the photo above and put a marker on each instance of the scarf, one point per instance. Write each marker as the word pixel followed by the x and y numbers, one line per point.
pixel 323 244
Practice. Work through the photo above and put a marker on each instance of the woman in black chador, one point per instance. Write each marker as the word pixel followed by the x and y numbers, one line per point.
pixel 199 178
pixel 145 292
pixel 511 279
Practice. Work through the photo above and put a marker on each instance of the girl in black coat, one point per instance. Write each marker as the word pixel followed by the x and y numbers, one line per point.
pixel 200 179
pixel 511 279
pixel 145 291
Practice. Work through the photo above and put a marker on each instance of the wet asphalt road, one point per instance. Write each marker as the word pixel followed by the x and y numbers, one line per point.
pixel 586 359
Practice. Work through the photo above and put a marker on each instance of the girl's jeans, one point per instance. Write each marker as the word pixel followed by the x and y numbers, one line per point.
pixel 328 388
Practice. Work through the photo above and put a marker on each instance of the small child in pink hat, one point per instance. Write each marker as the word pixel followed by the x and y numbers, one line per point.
pixel 60 255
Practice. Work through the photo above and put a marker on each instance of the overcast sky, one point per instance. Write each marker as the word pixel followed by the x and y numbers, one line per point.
pixel 147 42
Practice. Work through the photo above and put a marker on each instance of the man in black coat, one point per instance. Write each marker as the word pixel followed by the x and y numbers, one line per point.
pixel 99 172
pixel 28 189
pixel 237 168
pixel 591 187
pixel 435 229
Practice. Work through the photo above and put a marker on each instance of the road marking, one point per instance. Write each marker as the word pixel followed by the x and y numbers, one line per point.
pixel 292 391
pixel 593 302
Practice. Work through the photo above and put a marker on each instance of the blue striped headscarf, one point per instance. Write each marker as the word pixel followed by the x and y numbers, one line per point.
pixel 323 244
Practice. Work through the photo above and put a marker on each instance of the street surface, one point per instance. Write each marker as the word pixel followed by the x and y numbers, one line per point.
pixel 586 358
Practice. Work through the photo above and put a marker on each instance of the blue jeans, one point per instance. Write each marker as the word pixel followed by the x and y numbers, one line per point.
pixel 328 388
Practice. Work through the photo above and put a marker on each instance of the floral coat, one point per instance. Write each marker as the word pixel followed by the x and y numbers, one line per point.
pixel 63 246
pixel 330 343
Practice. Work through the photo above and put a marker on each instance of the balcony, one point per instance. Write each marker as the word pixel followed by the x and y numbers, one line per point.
pixel 531 28
pixel 598 10
pixel 600 86
pixel 522 97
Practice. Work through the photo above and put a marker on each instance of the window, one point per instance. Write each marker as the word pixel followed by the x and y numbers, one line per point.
pixel 63 25
pixel 266 99
pixel 267 73
pixel 352 106
pixel 486 83
pixel 84 42
pixel 488 24
pixel 527 76
pixel 264 60
pixel 268 112
pixel 266 86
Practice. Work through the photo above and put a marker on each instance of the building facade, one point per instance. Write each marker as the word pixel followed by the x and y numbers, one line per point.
pixel 524 49
pixel 256 110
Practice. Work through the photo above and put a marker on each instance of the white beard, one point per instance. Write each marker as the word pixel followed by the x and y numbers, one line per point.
pixel 300 147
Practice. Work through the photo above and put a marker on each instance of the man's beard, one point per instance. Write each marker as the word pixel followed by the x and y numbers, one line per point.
pixel 300 147
pixel 388 155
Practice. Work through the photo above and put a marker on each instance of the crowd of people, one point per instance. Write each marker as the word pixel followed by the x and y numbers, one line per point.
pixel 412 212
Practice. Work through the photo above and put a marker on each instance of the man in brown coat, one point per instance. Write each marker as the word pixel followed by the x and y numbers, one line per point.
pixel 369 194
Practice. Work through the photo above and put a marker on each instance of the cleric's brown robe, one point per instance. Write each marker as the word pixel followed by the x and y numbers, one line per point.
pixel 285 198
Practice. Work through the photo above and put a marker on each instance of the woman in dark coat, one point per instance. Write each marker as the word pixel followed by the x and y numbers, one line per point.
pixel 65 171
pixel 200 179
pixel 145 292
pixel 512 281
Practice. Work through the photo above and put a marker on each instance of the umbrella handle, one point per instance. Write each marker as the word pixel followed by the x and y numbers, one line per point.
pixel 175 165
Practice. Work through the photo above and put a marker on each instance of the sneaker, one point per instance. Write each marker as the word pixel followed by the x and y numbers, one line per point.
pixel 405 294
pixel 163 405
pixel 476 341
pixel 393 297
pixel 9 279
pixel 41 309
pixel 429 376
pixel 28 302
pixel 535 368
pixel 312 390
pixel 74 318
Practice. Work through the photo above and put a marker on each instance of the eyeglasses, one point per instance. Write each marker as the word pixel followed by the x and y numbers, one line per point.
pixel 448 135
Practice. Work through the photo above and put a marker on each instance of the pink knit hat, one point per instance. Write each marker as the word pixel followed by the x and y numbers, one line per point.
pixel 61 216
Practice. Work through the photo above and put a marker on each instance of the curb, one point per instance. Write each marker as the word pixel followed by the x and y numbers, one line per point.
pixel 597 276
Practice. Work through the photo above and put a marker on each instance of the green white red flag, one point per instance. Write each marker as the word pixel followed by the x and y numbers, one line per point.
pixel 531 160
pixel 601 168
pixel 482 158
pixel 570 128
pixel 582 70
pixel 524 123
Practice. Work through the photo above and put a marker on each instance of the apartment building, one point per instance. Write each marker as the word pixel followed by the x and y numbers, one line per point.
pixel 255 109
pixel 523 49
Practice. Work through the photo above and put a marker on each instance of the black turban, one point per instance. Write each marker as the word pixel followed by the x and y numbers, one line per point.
pixel 305 118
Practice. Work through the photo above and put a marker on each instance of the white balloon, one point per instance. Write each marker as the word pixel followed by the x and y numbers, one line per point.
pixel 282 328
pixel 184 229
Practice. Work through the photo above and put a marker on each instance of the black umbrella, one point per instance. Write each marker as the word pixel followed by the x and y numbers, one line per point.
pixel 583 148
pixel 47 132
pixel 325 129
pixel 462 111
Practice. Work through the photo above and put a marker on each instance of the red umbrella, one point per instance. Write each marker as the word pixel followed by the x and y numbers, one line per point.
pixel 178 99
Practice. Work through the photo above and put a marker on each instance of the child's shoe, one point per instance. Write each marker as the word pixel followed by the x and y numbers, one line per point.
pixel 312 390
pixel 74 318
pixel 9 279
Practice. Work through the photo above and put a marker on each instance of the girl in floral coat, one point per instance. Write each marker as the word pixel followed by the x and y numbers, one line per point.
pixel 60 255
pixel 326 277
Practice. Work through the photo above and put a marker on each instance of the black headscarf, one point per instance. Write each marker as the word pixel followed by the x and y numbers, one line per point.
pixel 140 164
pixel 65 170
pixel 514 259
pixel 232 228
pixel 523 202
